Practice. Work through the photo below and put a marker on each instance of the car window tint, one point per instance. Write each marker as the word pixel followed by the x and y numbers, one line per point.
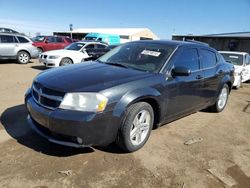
pixel 51 39
pixel 188 58
pixel 22 40
pixel 59 39
pixel 90 46
pixel 7 39
pixel 208 58
pixel 100 46
pixel 68 40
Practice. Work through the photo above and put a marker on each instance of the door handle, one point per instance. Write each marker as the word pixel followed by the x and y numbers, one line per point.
pixel 198 77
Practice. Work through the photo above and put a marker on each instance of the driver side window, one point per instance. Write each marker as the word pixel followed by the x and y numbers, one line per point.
pixel 188 58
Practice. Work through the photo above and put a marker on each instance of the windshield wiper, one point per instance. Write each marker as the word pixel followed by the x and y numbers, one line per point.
pixel 116 64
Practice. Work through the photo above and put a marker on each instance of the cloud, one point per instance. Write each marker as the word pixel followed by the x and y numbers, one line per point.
pixel 32 27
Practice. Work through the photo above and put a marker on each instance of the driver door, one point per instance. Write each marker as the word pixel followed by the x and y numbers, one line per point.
pixel 183 93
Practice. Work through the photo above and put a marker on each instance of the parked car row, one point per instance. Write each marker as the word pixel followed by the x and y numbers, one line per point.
pixel 14 45
pixel 74 53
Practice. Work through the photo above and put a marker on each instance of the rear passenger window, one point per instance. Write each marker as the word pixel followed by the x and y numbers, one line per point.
pixel 208 58
pixel 59 39
pixel 22 40
pixel 188 58
pixel 7 39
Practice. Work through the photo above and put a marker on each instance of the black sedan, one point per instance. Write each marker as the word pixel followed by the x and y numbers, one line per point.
pixel 128 91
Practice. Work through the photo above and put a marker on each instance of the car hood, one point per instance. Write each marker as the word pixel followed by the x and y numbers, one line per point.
pixel 88 77
pixel 61 52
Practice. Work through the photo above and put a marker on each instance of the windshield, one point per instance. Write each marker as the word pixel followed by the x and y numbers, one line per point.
pixel 38 39
pixel 75 46
pixel 147 57
pixel 235 59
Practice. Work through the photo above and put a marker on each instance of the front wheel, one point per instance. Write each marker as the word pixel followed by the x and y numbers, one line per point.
pixel 221 100
pixel 66 61
pixel 136 127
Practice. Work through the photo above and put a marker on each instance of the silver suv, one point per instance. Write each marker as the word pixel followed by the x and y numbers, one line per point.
pixel 17 46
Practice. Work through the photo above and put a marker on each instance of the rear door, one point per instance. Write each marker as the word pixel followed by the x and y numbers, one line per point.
pixel 8 44
pixel 184 92
pixel 59 43
pixel 212 74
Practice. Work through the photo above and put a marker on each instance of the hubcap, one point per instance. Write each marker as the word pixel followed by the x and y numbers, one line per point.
pixel 222 98
pixel 66 62
pixel 140 128
pixel 23 58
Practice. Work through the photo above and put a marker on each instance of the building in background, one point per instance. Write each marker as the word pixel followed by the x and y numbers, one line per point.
pixel 126 34
pixel 239 41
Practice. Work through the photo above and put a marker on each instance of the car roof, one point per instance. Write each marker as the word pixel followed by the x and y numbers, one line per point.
pixel 14 34
pixel 174 43
pixel 232 52
pixel 91 41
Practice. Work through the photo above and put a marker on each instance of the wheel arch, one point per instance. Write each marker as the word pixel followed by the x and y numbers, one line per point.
pixel 67 58
pixel 149 95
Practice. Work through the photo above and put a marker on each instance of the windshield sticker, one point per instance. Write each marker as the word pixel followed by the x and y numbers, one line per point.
pixel 151 53
pixel 235 57
pixel 79 45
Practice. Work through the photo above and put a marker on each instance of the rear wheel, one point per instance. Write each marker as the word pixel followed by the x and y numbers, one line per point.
pixel 221 100
pixel 66 61
pixel 136 127
pixel 23 57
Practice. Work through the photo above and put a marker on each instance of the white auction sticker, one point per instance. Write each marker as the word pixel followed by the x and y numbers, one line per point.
pixel 152 53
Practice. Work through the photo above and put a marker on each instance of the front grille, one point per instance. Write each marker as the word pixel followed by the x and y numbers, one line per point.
pixel 46 97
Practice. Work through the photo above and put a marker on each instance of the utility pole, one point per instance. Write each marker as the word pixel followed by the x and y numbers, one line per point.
pixel 71 29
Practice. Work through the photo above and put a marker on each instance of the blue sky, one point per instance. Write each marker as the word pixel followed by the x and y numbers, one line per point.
pixel 163 17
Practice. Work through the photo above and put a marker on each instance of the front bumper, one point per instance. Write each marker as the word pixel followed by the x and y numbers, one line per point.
pixel 50 62
pixel 65 127
pixel 237 80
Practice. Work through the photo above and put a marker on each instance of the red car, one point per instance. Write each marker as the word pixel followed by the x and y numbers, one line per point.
pixel 46 43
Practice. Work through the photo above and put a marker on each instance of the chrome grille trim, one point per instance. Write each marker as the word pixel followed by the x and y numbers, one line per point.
pixel 40 98
pixel 52 97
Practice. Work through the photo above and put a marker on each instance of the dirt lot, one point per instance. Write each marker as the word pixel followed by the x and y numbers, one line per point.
pixel 221 159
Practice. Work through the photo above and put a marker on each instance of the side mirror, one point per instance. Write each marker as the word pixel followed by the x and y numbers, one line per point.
pixel 180 71
pixel 46 41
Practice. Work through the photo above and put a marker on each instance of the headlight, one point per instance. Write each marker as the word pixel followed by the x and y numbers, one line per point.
pixel 88 102
pixel 53 57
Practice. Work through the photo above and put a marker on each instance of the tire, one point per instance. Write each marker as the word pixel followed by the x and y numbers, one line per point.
pixel 142 114
pixel 66 61
pixel 221 100
pixel 23 57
